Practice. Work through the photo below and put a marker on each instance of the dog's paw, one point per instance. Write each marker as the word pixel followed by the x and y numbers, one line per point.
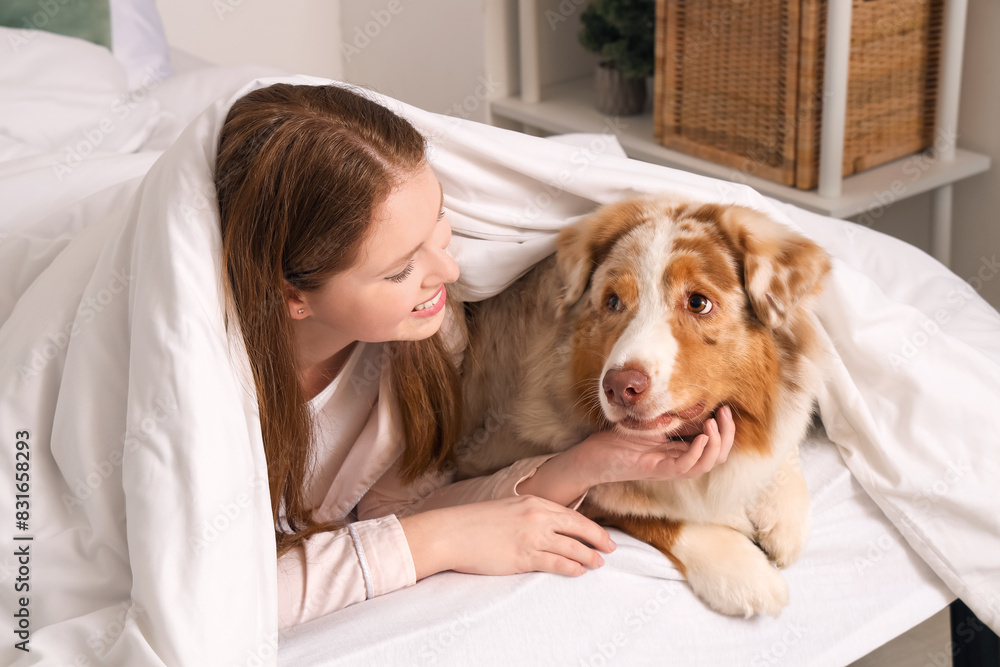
pixel 785 538
pixel 780 514
pixel 729 573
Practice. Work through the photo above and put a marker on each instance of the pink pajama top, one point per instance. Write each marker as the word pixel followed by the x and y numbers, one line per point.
pixel 354 477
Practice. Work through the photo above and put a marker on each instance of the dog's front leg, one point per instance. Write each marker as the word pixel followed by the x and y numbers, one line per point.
pixel 724 568
pixel 660 533
pixel 780 513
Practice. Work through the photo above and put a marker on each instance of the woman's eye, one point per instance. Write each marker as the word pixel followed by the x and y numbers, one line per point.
pixel 403 275
pixel 698 303
pixel 614 304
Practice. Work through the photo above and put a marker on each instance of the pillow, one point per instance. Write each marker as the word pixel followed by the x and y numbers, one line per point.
pixel 139 42
pixel 80 107
pixel 130 28
pixel 86 19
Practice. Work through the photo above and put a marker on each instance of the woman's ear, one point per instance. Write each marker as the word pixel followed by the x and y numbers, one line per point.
pixel 780 266
pixel 298 308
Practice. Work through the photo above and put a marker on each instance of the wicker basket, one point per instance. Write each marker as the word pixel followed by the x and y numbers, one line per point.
pixel 740 82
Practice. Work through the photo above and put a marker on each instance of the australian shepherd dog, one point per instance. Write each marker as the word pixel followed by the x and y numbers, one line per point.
pixel 652 314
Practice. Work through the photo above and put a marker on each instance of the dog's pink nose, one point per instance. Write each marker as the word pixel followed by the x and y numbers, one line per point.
pixel 625 387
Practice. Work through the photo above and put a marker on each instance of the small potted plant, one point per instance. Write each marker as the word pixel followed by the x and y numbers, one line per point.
pixel 622 32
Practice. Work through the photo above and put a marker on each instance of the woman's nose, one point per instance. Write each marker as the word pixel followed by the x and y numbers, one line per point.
pixel 447 266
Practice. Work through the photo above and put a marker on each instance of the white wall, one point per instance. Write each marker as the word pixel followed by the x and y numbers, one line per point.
pixel 428 54
pixel 301 36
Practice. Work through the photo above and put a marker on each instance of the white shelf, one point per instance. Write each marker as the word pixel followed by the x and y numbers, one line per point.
pixel 569 107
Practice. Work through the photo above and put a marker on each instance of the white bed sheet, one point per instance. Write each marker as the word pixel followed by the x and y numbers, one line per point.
pixel 859 583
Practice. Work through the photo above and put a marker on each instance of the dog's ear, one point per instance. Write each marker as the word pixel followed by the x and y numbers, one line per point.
pixel 780 266
pixel 574 262
pixel 582 247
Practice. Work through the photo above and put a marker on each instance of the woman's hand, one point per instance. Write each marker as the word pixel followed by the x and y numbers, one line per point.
pixel 535 532
pixel 505 536
pixel 612 457
pixel 609 456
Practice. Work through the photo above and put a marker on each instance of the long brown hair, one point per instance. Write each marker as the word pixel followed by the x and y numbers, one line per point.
pixel 300 172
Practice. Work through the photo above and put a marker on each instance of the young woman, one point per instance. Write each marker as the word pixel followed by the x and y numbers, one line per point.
pixel 334 242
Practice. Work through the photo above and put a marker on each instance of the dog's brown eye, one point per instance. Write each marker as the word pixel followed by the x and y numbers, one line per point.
pixel 699 304
pixel 614 304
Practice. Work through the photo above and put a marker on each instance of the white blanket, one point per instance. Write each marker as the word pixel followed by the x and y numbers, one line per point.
pixel 148 508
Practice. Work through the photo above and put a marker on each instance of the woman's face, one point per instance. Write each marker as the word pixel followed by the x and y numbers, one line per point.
pixel 396 289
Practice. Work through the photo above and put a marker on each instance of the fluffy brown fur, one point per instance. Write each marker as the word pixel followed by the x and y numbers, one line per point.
pixel 627 291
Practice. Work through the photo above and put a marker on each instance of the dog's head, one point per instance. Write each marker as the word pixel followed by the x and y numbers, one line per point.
pixel 679 307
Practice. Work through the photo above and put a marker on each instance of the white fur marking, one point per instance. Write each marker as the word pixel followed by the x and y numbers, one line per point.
pixel 648 340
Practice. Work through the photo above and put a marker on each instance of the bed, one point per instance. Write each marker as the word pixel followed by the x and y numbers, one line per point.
pixel 173 568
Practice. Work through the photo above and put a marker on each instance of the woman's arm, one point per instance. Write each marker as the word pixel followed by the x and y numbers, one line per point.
pixel 335 569
pixel 516 520
pixel 525 534
pixel 505 536
pixel 436 490
pixel 563 478
pixel 610 457
pixel 369 558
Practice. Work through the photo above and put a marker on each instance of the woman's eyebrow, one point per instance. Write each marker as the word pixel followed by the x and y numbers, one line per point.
pixel 414 251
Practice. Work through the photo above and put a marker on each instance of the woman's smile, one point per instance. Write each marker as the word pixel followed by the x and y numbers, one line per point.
pixel 432 306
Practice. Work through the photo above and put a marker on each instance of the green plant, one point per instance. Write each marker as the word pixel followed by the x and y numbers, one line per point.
pixel 622 32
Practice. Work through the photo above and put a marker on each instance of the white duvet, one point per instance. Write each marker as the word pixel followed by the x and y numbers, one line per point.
pixel 147 530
